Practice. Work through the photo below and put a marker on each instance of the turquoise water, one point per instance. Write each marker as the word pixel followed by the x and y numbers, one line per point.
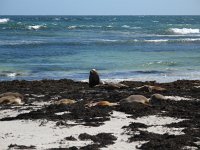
pixel 162 48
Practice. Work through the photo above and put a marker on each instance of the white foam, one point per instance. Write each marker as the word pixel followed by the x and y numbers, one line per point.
pixel 12 75
pixel 125 26
pixel 190 39
pixel 72 27
pixel 109 26
pixel 184 30
pixel 36 27
pixel 4 20
pixel 157 41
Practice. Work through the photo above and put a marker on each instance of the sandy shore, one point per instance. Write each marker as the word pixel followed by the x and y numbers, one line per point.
pixel 40 124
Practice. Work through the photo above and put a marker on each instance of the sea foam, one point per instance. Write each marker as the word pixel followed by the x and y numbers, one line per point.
pixel 4 20
pixel 157 41
pixel 36 27
pixel 184 31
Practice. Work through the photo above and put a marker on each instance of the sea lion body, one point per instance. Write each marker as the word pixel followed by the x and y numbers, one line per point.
pixel 112 86
pixel 65 102
pixel 11 98
pixel 135 99
pixel 102 103
pixel 156 99
pixel 105 103
pixel 94 78
pixel 150 88
pixel 12 94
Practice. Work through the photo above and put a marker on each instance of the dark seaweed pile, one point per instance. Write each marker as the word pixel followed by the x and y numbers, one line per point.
pixel 52 90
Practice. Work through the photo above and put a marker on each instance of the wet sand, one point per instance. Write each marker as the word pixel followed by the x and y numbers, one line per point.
pixel 41 124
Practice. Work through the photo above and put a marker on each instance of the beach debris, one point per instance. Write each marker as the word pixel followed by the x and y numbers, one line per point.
pixel 156 99
pixel 11 98
pixel 135 99
pixel 150 88
pixel 101 103
pixel 65 102
pixel 94 78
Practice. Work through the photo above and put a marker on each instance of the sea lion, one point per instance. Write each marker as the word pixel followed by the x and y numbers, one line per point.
pixel 135 99
pixel 15 94
pixel 11 98
pixel 156 99
pixel 65 102
pixel 150 88
pixel 102 103
pixel 94 78
pixel 112 86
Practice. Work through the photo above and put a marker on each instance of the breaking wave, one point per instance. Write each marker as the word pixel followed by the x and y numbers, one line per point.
pixel 184 31
pixel 4 20
pixel 36 27
pixel 9 74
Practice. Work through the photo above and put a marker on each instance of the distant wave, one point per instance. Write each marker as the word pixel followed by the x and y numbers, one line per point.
pixel 20 42
pixel 9 74
pixel 4 20
pixel 163 63
pixel 36 27
pixel 109 26
pixel 181 40
pixel 157 40
pixel 72 27
pixel 184 31
pixel 125 26
pixel 83 27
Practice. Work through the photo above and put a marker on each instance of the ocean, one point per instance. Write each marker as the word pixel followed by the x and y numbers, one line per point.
pixel 161 48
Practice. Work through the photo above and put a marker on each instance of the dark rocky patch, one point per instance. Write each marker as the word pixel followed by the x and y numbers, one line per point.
pixel 70 138
pixel 15 146
pixel 100 140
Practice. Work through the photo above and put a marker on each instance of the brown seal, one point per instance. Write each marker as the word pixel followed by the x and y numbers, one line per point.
pixel 135 99
pixel 65 102
pixel 11 98
pixel 150 88
pixel 94 78
pixel 101 103
pixel 156 99
pixel 112 86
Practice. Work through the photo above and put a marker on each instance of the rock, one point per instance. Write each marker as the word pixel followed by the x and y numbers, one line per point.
pixel 94 78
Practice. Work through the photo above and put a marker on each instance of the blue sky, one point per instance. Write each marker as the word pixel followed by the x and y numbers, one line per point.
pixel 99 7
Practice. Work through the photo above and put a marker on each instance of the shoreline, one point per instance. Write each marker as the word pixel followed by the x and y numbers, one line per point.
pixel 173 124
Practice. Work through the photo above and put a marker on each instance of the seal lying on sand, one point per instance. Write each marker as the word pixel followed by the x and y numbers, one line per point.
pixel 150 88
pixel 156 99
pixel 101 103
pixel 11 98
pixel 65 102
pixel 94 78
pixel 112 85
pixel 135 99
